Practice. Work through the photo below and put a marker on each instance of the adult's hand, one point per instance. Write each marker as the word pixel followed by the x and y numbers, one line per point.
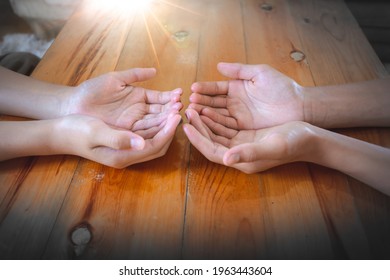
pixel 112 98
pixel 93 139
pixel 249 150
pixel 257 97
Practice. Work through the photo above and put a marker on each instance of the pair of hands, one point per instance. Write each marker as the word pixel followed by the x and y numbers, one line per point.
pixel 252 122
pixel 112 122
pixel 246 123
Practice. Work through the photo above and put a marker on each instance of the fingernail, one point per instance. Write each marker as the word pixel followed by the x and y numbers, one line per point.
pixel 177 106
pixel 136 143
pixel 188 116
pixel 175 98
pixel 234 158
pixel 178 91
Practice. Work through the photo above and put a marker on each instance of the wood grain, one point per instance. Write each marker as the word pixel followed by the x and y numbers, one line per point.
pixel 134 213
pixel 271 38
pixel 343 60
pixel 45 181
pixel 214 228
pixel 182 206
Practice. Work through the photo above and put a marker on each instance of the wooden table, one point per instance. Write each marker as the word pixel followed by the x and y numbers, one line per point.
pixel 182 206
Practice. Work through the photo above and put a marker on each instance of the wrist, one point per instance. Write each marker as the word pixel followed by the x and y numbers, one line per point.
pixel 27 138
pixel 63 135
pixel 309 101
pixel 68 102
pixel 335 151
pixel 43 137
pixel 308 146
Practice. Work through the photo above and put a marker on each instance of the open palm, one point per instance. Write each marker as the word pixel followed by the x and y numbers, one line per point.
pixel 113 99
pixel 247 150
pixel 93 139
pixel 257 97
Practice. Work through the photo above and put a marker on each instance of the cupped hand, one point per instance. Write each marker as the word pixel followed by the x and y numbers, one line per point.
pixel 112 98
pixel 250 151
pixel 258 96
pixel 93 139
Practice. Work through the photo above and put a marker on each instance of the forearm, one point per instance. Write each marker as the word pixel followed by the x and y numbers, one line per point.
pixel 350 105
pixel 27 97
pixel 26 138
pixel 364 161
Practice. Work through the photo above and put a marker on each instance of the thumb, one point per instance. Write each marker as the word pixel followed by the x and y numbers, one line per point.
pixel 238 70
pixel 120 139
pixel 247 153
pixel 136 75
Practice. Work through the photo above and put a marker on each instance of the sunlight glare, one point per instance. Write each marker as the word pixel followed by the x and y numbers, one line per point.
pixel 129 5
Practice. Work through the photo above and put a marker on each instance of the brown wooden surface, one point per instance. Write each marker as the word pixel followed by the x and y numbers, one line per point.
pixel 182 206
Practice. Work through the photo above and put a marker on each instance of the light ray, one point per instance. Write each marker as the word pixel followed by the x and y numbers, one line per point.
pixel 140 7
pixel 151 40
pixel 164 30
pixel 129 5
pixel 179 7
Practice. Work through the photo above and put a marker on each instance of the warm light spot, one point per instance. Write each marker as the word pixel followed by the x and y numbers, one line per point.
pixel 137 4
pixel 129 5
pixel 145 10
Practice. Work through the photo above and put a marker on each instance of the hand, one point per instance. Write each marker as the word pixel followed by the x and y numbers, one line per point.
pixel 93 139
pixel 113 99
pixel 258 97
pixel 249 150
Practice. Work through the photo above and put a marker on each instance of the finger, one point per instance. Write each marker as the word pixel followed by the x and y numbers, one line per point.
pixel 220 139
pixel 135 75
pixel 150 132
pixel 200 126
pixel 238 70
pixel 211 150
pixel 167 132
pixel 158 97
pixel 226 121
pixel 254 167
pixel 158 108
pixel 154 148
pixel 252 152
pixel 147 123
pixel 211 88
pixel 199 108
pixel 219 129
pixel 119 139
pixel 155 115
pixel 211 101
pixel 194 119
pixel 158 145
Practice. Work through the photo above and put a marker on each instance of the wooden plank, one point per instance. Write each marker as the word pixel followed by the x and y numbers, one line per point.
pixel 188 207
pixel 213 198
pixel 84 48
pixel 30 208
pixel 122 212
pixel 138 212
pixel 223 218
pixel 271 38
pixel 373 207
pixel 329 29
pixel 228 215
pixel 330 34
pixel 39 185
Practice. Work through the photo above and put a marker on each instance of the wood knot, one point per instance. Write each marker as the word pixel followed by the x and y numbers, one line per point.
pixel 80 237
pixel 297 56
pixel 306 20
pixel 266 7
pixel 181 35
